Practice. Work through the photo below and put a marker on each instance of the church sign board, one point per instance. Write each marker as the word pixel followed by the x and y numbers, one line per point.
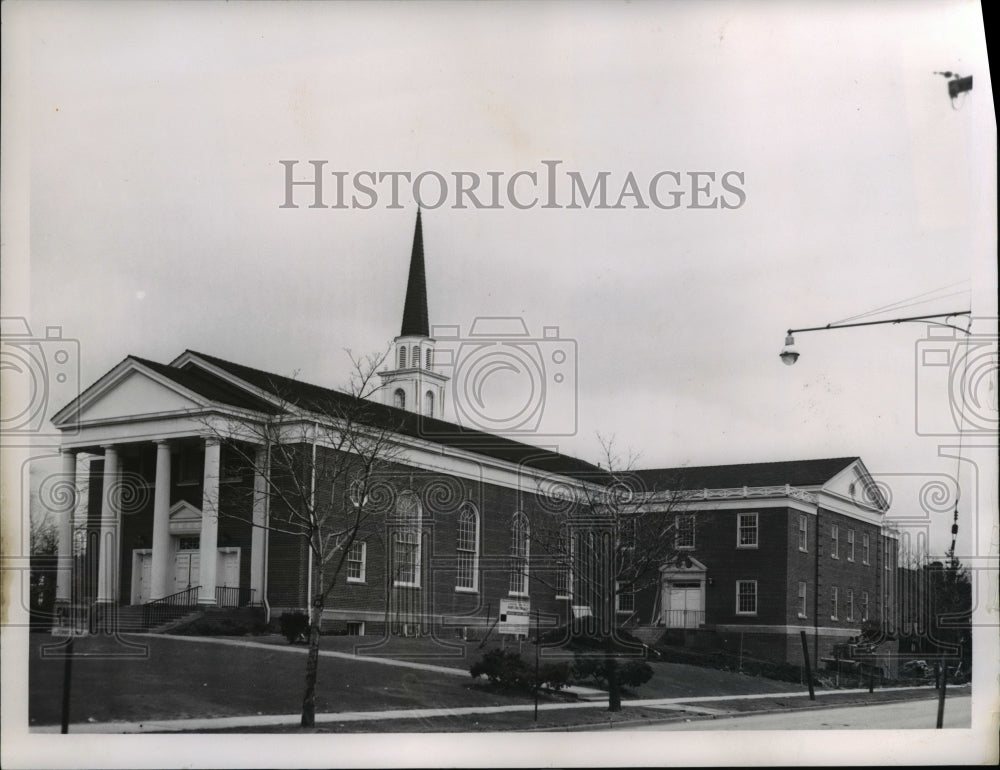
pixel 514 616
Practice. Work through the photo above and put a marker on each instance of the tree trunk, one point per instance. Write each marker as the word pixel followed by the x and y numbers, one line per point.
pixel 611 669
pixel 312 663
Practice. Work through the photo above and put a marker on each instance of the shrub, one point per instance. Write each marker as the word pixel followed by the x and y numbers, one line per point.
pixel 502 668
pixel 635 673
pixel 554 676
pixel 222 623
pixel 632 673
pixel 507 670
pixel 294 626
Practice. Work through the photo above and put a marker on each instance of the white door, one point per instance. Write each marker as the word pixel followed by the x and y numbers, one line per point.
pixel 684 605
pixel 186 570
pixel 142 561
pixel 227 575
pixel 227 571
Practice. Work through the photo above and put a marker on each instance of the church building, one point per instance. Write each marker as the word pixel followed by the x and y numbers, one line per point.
pixel 178 505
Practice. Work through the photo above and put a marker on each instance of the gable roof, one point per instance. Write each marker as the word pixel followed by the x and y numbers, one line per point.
pixel 209 386
pixel 324 400
pixel 797 473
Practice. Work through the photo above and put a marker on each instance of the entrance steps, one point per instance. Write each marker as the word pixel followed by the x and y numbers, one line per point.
pixel 648 635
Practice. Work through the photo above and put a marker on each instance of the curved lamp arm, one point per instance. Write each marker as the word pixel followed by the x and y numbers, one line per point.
pixel 789 354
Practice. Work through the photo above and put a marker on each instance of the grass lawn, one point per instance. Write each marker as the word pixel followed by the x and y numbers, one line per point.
pixel 178 678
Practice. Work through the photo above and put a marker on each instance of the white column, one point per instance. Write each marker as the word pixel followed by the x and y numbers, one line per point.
pixel 107 575
pixel 160 572
pixel 66 507
pixel 208 546
pixel 258 534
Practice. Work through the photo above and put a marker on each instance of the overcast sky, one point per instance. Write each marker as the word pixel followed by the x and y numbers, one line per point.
pixel 156 131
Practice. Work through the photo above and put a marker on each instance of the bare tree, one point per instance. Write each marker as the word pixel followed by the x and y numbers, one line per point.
pixel 609 548
pixel 318 459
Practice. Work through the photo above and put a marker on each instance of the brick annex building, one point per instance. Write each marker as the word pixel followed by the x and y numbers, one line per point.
pixel 765 550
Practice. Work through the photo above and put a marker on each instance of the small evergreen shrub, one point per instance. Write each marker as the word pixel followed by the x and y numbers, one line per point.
pixel 506 669
pixel 294 626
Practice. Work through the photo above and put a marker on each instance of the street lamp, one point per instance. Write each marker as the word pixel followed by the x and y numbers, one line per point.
pixel 790 354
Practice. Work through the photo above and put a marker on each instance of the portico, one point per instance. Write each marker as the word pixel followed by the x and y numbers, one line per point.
pixel 154 486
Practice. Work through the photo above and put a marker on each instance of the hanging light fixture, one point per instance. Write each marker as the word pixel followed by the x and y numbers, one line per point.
pixel 789 354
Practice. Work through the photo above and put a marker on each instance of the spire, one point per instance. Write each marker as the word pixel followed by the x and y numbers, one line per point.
pixel 415 323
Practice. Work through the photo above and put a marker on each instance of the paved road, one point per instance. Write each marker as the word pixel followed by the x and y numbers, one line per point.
pixel 918 714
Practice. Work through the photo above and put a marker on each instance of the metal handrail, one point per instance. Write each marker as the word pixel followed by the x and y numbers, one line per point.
pixel 233 596
pixel 684 618
pixel 153 612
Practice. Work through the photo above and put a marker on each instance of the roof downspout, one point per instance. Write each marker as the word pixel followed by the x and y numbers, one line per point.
pixel 816 597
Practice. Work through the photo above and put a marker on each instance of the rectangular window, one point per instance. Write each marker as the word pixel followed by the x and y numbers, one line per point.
pixel 864 606
pixel 834 542
pixel 803 588
pixel 866 549
pixel 888 554
pixel 355 628
pixel 746 530
pixel 746 597
pixel 685 532
pixel 190 468
pixel 356 562
pixel 834 601
pixel 803 533
pixel 624 598
pixel 850 604
pixel 850 545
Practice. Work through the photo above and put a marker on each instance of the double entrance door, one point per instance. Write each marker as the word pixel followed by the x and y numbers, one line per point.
pixel 187 569
pixel 684 605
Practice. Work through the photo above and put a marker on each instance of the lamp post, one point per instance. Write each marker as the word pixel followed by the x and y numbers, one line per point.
pixel 789 353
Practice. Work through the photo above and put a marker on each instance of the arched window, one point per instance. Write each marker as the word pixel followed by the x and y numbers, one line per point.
pixel 402 356
pixel 399 399
pixel 468 549
pixel 427 358
pixel 406 550
pixel 415 357
pixel 429 404
pixel 520 544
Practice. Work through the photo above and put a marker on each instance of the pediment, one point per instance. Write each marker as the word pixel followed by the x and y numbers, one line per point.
pixel 182 511
pixel 130 390
pixel 856 485
pixel 684 564
pixel 185 519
